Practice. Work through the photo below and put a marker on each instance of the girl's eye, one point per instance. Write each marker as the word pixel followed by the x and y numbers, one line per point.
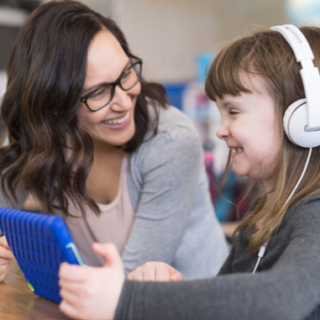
pixel 233 112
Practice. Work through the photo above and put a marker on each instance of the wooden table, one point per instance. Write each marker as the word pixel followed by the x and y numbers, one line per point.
pixel 17 302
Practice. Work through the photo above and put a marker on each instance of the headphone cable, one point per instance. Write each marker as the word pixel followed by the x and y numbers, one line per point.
pixel 264 247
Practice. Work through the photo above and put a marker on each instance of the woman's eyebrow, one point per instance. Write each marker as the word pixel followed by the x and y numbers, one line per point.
pixel 87 90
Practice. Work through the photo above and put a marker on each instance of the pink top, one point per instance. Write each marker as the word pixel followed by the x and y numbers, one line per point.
pixel 113 225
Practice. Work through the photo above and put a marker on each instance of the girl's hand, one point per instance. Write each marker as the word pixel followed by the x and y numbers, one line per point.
pixel 6 256
pixel 92 293
pixel 155 271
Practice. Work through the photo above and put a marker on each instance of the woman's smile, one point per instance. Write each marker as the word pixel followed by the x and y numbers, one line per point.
pixel 118 123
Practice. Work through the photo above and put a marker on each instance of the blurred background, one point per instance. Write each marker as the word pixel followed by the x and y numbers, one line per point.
pixel 177 40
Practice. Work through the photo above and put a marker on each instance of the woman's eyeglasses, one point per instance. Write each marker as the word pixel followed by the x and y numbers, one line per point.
pixel 102 96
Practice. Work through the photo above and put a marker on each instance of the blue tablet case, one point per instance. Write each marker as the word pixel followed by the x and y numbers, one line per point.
pixel 40 243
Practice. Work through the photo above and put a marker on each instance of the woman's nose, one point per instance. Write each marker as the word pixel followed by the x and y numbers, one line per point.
pixel 122 100
pixel 223 132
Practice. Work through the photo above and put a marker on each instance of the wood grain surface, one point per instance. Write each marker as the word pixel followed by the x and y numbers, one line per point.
pixel 17 302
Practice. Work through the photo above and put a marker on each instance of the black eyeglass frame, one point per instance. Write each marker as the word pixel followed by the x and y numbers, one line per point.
pixel 114 84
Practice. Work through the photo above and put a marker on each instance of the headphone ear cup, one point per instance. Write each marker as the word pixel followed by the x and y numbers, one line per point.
pixel 294 123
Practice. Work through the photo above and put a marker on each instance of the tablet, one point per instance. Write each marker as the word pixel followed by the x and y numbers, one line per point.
pixel 40 243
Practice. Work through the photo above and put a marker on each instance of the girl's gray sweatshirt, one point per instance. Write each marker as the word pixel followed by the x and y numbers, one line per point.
pixel 285 287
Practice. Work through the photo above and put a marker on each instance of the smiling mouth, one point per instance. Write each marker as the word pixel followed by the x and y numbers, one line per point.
pixel 236 150
pixel 118 121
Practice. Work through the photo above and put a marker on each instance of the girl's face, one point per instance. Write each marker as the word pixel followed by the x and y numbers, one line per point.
pixel 114 124
pixel 251 130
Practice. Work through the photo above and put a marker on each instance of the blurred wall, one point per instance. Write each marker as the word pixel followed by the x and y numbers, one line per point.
pixel 235 16
pixel 167 34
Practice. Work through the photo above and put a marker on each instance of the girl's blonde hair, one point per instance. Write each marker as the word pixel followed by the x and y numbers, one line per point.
pixel 267 54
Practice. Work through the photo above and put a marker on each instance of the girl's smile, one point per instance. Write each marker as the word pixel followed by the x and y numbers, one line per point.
pixel 251 130
pixel 235 151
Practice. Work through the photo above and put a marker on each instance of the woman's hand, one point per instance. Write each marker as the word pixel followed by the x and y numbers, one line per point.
pixel 155 271
pixel 92 293
pixel 6 256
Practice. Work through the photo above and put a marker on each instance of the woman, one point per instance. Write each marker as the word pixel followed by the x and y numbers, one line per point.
pixel 98 145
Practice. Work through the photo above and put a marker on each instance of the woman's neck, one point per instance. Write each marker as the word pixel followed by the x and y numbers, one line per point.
pixel 104 176
pixel 101 148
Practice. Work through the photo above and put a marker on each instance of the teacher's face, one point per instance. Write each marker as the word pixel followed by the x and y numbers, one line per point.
pixel 114 124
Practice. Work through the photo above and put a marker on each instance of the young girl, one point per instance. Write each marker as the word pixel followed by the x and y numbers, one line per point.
pixel 98 145
pixel 253 81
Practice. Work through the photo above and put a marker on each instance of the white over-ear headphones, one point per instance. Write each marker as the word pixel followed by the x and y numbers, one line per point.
pixel 302 118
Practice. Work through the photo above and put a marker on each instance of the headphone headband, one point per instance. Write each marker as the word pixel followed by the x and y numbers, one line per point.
pixel 296 40
pixel 310 75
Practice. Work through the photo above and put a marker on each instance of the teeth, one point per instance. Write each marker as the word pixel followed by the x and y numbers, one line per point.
pixel 236 150
pixel 117 121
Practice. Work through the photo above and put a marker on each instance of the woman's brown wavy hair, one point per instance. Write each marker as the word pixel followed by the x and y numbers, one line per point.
pixel 266 53
pixel 46 73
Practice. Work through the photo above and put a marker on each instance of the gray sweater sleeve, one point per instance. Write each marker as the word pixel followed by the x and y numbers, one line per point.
pixel 288 290
pixel 170 166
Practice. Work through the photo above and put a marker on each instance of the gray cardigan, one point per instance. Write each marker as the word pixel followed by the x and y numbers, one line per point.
pixel 285 287
pixel 175 222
